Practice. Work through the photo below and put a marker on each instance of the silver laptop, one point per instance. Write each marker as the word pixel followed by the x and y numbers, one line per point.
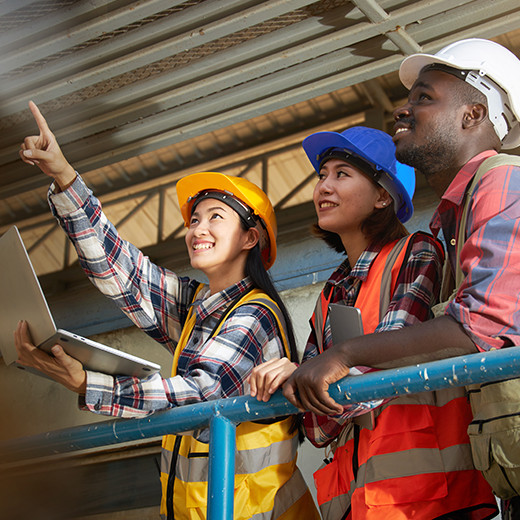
pixel 23 299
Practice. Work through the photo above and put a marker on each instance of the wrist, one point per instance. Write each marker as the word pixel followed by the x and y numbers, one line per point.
pixel 66 179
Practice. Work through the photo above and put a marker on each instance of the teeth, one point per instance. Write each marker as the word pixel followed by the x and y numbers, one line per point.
pixel 202 246
pixel 399 130
pixel 327 205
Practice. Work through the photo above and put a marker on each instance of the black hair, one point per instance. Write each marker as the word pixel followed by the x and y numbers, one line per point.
pixel 467 94
pixel 262 280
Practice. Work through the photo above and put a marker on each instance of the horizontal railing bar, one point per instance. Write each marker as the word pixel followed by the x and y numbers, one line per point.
pixel 460 371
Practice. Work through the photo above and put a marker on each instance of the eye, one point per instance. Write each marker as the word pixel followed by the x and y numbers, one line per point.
pixel 193 220
pixel 216 216
pixel 320 176
pixel 423 96
pixel 342 173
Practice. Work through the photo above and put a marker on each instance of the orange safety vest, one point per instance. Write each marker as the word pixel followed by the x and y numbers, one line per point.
pixel 268 484
pixel 415 461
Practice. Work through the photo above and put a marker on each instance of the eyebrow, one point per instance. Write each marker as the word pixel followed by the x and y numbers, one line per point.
pixel 423 84
pixel 212 208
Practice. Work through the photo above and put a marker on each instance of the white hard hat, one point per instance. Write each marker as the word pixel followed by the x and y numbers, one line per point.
pixel 490 68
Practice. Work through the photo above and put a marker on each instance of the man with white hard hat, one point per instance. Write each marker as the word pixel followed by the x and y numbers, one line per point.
pixel 463 108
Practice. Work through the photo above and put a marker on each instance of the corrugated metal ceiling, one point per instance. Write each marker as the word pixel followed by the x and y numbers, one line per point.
pixel 141 93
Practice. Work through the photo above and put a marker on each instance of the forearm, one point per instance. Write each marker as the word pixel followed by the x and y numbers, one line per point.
pixel 432 340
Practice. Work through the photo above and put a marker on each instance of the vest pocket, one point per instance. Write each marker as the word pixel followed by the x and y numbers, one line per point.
pixel 495 434
pixel 335 478
pixel 403 460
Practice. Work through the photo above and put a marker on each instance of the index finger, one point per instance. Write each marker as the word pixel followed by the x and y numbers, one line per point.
pixel 40 120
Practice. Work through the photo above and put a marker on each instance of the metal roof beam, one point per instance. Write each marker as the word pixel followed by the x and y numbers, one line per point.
pixel 320 48
pixel 10 6
pixel 85 74
pixel 75 35
pixel 127 101
pixel 135 210
pixel 376 14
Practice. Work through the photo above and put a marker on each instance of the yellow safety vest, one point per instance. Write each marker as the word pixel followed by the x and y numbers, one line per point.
pixel 268 484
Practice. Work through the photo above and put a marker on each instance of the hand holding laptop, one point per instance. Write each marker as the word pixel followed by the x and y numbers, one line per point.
pixel 62 368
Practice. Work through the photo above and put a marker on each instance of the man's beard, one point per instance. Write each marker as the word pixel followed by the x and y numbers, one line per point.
pixel 436 153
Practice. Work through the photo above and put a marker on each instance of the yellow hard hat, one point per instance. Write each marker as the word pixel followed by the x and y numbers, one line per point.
pixel 198 184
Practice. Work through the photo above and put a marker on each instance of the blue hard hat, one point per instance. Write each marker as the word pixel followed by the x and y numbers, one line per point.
pixel 377 150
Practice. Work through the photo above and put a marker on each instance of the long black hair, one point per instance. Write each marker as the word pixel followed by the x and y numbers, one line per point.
pixel 262 280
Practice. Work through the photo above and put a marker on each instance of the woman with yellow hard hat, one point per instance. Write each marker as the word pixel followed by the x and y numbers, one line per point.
pixel 217 332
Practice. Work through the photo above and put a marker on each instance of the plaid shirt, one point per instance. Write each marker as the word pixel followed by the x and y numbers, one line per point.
pixel 486 304
pixel 157 301
pixel 417 289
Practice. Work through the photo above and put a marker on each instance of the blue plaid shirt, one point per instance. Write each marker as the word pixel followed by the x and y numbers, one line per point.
pixel 157 301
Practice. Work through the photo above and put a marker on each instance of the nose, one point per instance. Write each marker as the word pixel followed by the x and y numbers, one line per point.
pixel 200 229
pixel 325 186
pixel 402 112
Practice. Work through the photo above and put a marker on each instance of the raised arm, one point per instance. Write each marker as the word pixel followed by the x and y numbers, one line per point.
pixel 43 151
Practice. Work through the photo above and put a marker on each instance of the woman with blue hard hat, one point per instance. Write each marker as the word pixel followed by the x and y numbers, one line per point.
pixel 386 457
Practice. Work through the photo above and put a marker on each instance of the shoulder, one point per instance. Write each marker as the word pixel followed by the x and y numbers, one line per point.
pixel 497 192
pixel 252 317
pixel 421 243
pixel 501 171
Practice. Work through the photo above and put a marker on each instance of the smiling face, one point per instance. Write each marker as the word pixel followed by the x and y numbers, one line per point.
pixel 428 128
pixel 217 243
pixel 344 197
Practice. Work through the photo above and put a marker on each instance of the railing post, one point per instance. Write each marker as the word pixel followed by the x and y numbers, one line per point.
pixel 221 471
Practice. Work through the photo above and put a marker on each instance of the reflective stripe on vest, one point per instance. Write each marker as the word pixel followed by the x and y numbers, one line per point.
pixel 267 481
pixel 416 452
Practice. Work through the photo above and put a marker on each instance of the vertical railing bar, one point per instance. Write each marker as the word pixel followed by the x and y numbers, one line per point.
pixel 221 471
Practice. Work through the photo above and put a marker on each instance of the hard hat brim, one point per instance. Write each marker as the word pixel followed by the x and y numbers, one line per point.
pixel 411 67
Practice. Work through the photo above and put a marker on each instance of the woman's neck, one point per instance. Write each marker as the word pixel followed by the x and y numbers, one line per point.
pixel 220 281
pixel 354 246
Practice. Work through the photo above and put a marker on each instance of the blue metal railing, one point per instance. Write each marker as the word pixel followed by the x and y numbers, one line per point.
pixel 222 416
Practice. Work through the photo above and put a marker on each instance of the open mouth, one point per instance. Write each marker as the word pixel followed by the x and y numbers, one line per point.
pixel 328 205
pixel 199 247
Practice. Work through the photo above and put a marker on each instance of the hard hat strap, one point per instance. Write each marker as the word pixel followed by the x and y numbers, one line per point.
pixel 243 211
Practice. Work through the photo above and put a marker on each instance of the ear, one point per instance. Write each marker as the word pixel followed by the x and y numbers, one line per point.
pixel 252 238
pixel 474 115
pixel 384 200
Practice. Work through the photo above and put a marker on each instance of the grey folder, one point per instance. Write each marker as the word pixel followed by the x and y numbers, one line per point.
pixel 23 299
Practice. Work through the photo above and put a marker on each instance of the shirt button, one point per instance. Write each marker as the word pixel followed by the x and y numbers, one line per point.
pixel 453 241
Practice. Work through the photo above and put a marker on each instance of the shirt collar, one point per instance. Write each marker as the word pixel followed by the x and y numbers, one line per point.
pixel 360 270
pixel 208 304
